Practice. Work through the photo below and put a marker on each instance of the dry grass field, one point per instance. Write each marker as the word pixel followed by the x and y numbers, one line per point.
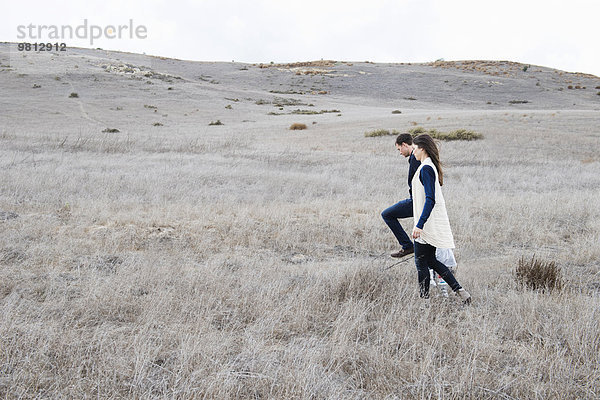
pixel 248 260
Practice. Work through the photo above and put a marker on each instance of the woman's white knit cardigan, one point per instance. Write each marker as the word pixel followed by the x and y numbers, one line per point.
pixel 436 230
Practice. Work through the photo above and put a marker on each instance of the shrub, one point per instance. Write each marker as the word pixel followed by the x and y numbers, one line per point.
pixel 111 130
pixel 297 126
pixel 73 95
pixel 458 134
pixel 217 122
pixel 306 112
pixel 417 131
pixel 396 112
pixel 538 275
pixel 281 101
pixel 157 124
pixel 378 132
pixel 313 112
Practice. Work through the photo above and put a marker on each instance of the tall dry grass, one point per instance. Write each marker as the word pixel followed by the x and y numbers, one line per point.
pixel 241 266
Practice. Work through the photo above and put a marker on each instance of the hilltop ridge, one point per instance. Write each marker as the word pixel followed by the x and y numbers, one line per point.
pixel 112 88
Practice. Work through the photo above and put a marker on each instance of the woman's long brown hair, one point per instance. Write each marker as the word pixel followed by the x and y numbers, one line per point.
pixel 427 143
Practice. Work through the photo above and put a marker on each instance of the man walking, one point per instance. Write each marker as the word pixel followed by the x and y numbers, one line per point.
pixel 404 208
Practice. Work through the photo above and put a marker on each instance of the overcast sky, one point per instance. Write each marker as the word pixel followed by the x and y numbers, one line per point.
pixel 558 34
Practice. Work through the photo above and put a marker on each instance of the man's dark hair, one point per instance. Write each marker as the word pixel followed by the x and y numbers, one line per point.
pixel 404 138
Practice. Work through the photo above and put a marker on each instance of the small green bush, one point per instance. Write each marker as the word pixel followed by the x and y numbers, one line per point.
pixel 312 112
pixel 305 112
pixel 378 132
pixel 458 134
pixel 538 275
pixel 418 130
pixel 73 95
pixel 111 130
pixel 217 122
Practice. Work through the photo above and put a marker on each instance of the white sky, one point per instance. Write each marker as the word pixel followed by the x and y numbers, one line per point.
pixel 559 34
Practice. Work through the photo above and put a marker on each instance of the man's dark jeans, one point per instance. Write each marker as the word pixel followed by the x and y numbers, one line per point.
pixel 425 259
pixel 402 209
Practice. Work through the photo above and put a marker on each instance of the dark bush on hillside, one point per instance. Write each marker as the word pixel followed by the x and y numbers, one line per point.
pixel 538 275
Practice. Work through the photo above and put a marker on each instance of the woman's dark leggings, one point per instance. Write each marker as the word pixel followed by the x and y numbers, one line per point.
pixel 425 259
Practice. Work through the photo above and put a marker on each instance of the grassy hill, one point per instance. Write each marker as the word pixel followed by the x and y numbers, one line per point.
pixel 147 254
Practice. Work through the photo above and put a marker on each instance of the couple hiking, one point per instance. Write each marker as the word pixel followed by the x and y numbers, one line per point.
pixel 427 207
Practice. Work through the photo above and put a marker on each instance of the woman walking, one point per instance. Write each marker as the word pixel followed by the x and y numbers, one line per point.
pixel 432 228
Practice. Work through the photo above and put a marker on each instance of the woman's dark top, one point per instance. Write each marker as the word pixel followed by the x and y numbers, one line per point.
pixel 427 178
